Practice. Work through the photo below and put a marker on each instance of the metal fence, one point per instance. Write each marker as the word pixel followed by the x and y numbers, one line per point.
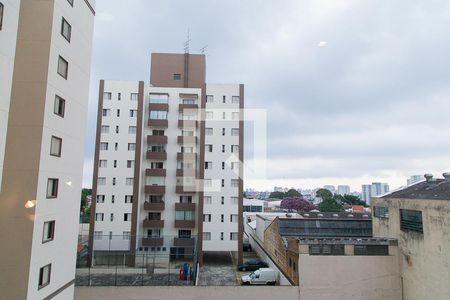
pixel 161 261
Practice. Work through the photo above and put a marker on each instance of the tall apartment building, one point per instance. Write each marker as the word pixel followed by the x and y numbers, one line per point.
pixel 413 179
pixel 167 172
pixel 373 190
pixel 45 56
pixel 343 190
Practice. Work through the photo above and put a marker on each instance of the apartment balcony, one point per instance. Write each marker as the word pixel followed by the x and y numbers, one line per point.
pixel 187 140
pixel 184 224
pixel 180 189
pixel 184 242
pixel 187 156
pixel 156 155
pixel 155 172
pixel 154 206
pixel 155 189
pixel 181 107
pixel 187 124
pixel 157 139
pixel 186 173
pixel 152 241
pixel 153 223
pixel 158 123
pixel 185 206
pixel 158 106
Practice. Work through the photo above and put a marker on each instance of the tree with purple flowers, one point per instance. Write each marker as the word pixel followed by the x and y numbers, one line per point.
pixel 297 204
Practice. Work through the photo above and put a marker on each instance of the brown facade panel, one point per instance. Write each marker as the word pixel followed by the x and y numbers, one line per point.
pixel 181 107
pixel 159 206
pixel 187 124
pixel 185 189
pixel 156 155
pixel 188 156
pixel 158 106
pixel 152 242
pixel 187 140
pixel 184 242
pixel 153 223
pixel 155 189
pixel 157 139
pixel 155 172
pixel 185 206
pixel 158 123
pixel 184 224
pixel 186 173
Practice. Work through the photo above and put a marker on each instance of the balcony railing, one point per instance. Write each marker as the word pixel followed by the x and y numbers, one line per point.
pixel 184 242
pixel 155 189
pixel 156 155
pixel 184 223
pixel 187 124
pixel 155 206
pixel 158 106
pixel 187 140
pixel 187 156
pixel 180 189
pixel 153 223
pixel 158 123
pixel 186 172
pixel 187 106
pixel 152 241
pixel 155 172
pixel 157 139
pixel 185 206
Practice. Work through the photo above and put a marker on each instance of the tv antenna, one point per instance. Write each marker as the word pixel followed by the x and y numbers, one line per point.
pixel 187 43
pixel 203 49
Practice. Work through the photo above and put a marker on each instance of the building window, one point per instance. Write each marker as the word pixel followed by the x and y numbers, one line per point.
pixel 332 249
pixel 224 99
pixel 59 106
pixel 98 235
pixel 130 164
pixel 222 200
pixel 117 129
pixel 101 181
pixel 111 217
pixel 233 236
pixel 208 165
pixel 158 115
pixel 113 198
pixel 105 129
pixel 129 181
pixel 223 131
pixel 99 217
pixel 207 199
pixel 221 236
pixel 234 182
pixel 223 183
pixel 184 234
pixel 185 199
pixel 235 99
pixel 127 217
pixel 128 199
pixel 209 99
pixel 126 235
pixel 103 146
pixel 224 115
pixel 176 76
pixel 234 200
pixel 381 212
pixel 116 146
pixel 222 218
pixel 70 2
pixel 234 148
pixel 114 181
pixel 1 16
pixel 44 276
pixel 52 188
pixel 131 146
pixel 159 98
pixel 209 148
pixel 119 96
pixel 209 115
pixel 102 163
pixel 134 96
pixel 63 67
pixel 118 112
pixel 100 199
pixel 206 218
pixel 234 165
pixel 411 220
pixel 184 215
pixel 106 112
pixel 206 236
pixel 208 131
pixel 233 218
pixel 115 163
pixel 132 129
pixel 223 165
pixel 133 113
pixel 371 250
pixel 235 116
pixel 207 182
pixel 107 95
pixel 66 30
pixel 235 131
pixel 55 146
pixel 49 231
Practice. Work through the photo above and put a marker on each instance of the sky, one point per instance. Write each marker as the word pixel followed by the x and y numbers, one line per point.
pixel 354 91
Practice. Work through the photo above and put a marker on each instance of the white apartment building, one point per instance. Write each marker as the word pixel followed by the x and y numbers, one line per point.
pixel 414 179
pixel 169 155
pixel 373 190
pixel 45 57
pixel 343 190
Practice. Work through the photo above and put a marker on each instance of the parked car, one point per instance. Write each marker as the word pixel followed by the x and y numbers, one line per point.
pixel 261 276
pixel 252 265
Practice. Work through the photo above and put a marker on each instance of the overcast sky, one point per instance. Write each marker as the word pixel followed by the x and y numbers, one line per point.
pixel 355 91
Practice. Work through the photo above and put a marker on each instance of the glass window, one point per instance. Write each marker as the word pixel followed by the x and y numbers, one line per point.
pixel 209 99
pixel 126 235
pixel 209 115
pixel 233 236
pixel 101 181
pixel 49 231
pixel 102 163
pixel 52 188
pixel 207 236
pixel 235 99
pixel 129 181
pixel 176 76
pixel 411 220
pixel 234 148
pixel 132 129
pixel 55 146
pixel 234 182
pixel 98 235
pixel 66 29
pixel 208 131
pixel 235 131
pixel 103 146
pixel 130 164
pixel 184 215
pixel 381 212
pixel 155 98
pixel 206 218
pixel 44 276
pixel 59 106
pixel 128 199
pixel 106 112
pixel 1 16
pixel 131 146
pixel 63 67
pixel 107 96
pixel 209 148
pixel 207 199
pixel 105 129
pixel 158 115
pixel 99 217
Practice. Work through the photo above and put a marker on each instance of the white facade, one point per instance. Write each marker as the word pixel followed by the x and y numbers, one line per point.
pixel 8 37
pixel 343 190
pixel 373 190
pixel 223 208
pixel 366 193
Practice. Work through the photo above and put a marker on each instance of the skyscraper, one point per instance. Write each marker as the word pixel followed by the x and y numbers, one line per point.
pixel 45 56
pixel 168 173
pixel 372 190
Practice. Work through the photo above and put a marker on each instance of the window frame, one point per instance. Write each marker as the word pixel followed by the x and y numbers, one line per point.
pixel 52 232
pixel 70 2
pixel 405 225
pixel 66 75
pixel 60 146
pixel 2 8
pixel 59 102
pixel 65 22
pixel 55 183
pixel 41 283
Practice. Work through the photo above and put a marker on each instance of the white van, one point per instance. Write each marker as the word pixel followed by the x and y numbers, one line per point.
pixel 261 276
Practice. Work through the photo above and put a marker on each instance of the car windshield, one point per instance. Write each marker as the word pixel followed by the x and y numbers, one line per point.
pixel 254 275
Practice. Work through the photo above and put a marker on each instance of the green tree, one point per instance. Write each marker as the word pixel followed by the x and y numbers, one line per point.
pixel 277 195
pixel 324 194
pixel 292 193
pixel 330 205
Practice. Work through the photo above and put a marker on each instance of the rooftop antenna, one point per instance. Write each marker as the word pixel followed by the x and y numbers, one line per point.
pixel 203 49
pixel 186 44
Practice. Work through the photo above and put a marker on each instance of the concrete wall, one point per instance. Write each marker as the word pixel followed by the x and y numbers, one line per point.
pixel 349 277
pixel 424 258
pixel 187 293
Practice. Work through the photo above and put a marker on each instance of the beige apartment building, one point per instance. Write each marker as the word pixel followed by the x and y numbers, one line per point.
pixel 45 58
pixel 418 216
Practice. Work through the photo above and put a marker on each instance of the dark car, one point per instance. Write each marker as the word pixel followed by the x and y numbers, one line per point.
pixel 252 265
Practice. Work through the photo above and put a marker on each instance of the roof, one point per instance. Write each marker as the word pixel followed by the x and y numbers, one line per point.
pixel 347 241
pixel 438 189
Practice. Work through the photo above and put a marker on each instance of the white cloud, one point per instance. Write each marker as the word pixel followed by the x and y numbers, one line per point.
pixel 322 44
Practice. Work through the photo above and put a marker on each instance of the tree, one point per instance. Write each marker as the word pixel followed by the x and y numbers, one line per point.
pixel 324 194
pixel 277 195
pixel 297 204
pixel 292 193
pixel 330 205
pixel 354 200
